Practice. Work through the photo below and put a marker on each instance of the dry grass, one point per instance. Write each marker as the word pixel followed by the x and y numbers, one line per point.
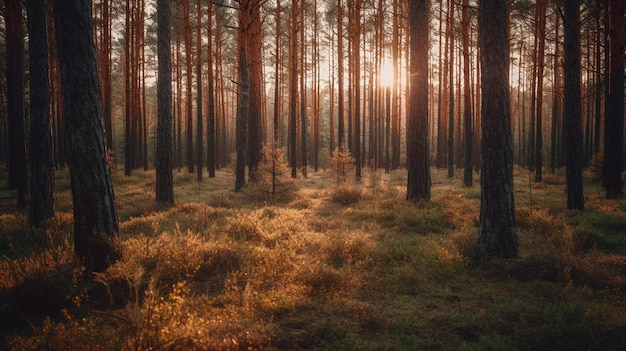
pixel 338 267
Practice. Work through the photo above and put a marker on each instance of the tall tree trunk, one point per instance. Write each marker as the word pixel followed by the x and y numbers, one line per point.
pixel 277 72
pixel 199 117
pixel 541 45
pixel 243 110
pixel 467 99
pixel 303 90
pixel 572 115
pixel 340 111
pixel 614 120
pixel 356 52
pixel 556 97
pixel 164 178
pixel 293 90
pixel 42 199
pixel 95 220
pixel 255 37
pixel 497 209
pixel 188 89
pixel 418 163
pixel 450 35
pixel 18 178
pixel 211 133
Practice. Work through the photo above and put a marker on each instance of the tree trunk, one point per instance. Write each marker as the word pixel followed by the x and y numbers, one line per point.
pixel 188 89
pixel 42 199
pixel 541 45
pixel 467 99
pixel 164 178
pixel 572 114
pixel 614 120
pixel 451 90
pixel 244 98
pixel 293 90
pixel 18 177
pixel 255 125
pixel 418 163
pixel 497 208
pixel 199 117
pixel 95 220
pixel 211 133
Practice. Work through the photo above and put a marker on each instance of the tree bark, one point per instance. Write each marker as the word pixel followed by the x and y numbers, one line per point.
pixel 572 113
pixel 211 132
pixel 18 173
pixel 95 220
pixel 614 120
pixel 497 209
pixel 467 99
pixel 164 178
pixel 418 154
pixel 42 179
pixel 199 117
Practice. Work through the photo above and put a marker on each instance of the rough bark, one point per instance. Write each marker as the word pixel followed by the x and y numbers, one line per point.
pixel 497 209
pixel 95 220
pixel 614 120
pixel 418 154
pixel 18 178
pixel 572 100
pixel 164 178
pixel 42 174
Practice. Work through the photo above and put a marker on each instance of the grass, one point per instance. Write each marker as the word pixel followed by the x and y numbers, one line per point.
pixel 350 267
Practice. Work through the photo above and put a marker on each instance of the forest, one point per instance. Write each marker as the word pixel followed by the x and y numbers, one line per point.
pixel 312 175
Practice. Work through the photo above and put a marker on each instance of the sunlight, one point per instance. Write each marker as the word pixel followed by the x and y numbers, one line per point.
pixel 386 74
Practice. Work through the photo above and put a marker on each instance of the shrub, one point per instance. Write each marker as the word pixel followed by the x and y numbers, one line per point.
pixel 272 179
pixel 346 194
pixel 343 164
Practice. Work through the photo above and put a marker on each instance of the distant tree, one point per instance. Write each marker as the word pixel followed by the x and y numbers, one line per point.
pixel 614 121
pixel 18 178
pixel 572 115
pixel 497 209
pixel 95 220
pixel 42 179
pixel 342 164
pixel 164 181
pixel 418 154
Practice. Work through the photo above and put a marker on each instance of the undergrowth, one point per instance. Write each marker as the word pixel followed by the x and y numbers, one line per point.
pixel 341 266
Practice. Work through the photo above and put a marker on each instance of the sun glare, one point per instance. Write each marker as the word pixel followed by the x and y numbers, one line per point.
pixel 386 74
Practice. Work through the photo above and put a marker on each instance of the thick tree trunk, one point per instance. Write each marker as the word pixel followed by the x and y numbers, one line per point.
pixel 572 114
pixel 18 178
pixel 164 178
pixel 418 154
pixel 497 208
pixel 614 120
pixel 255 125
pixel 42 200
pixel 95 220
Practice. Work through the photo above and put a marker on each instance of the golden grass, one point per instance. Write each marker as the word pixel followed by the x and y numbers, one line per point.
pixel 225 271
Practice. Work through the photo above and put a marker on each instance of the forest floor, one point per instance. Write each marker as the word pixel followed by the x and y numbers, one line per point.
pixel 328 267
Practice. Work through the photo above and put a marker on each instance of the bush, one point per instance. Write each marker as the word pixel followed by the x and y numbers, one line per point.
pixel 272 179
